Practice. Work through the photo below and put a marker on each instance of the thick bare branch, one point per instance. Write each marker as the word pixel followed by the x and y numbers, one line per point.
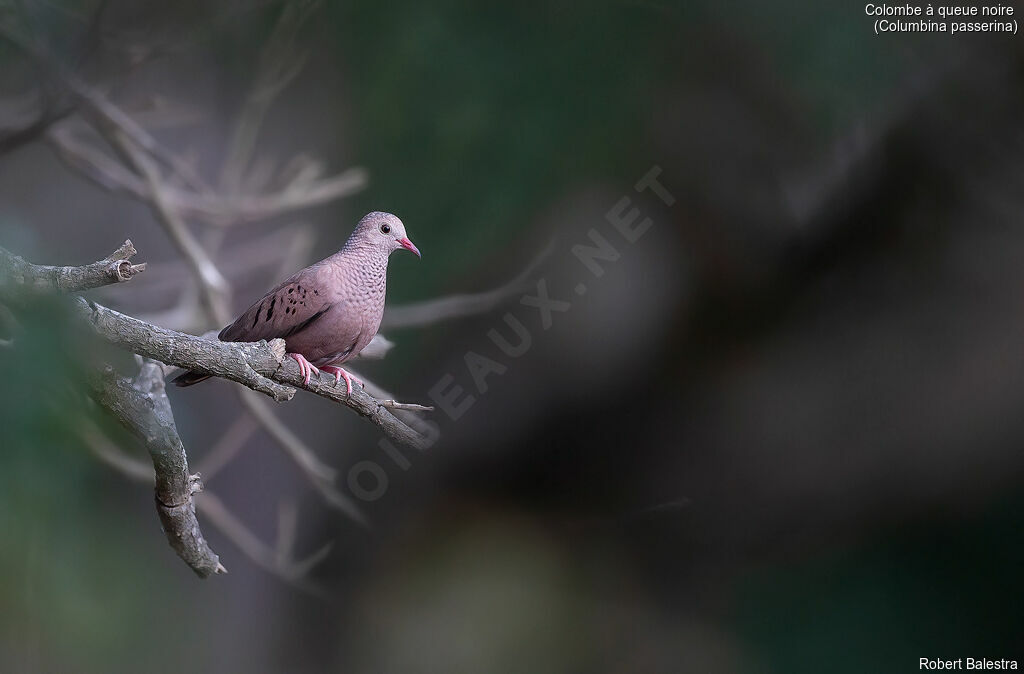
pixel 258 365
pixel 18 277
pixel 278 560
pixel 142 407
pixel 232 361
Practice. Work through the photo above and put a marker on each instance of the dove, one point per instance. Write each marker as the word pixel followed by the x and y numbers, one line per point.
pixel 329 311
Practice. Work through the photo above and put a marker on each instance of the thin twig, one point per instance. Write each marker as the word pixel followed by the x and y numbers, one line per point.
pixel 213 286
pixel 104 449
pixel 279 63
pixel 103 108
pixel 320 475
pixel 230 444
pixel 217 210
pixel 282 249
pixel 409 407
pixel 457 306
pixel 271 560
pixel 427 430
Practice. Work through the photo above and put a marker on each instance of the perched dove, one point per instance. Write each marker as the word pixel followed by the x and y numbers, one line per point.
pixel 329 311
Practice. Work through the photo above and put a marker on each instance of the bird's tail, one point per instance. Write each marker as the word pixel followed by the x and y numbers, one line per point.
pixel 189 378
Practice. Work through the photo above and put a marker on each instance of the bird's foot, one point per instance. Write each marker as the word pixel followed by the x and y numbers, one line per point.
pixel 340 374
pixel 305 367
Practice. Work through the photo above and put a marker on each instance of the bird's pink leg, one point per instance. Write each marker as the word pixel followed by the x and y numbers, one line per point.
pixel 340 374
pixel 305 367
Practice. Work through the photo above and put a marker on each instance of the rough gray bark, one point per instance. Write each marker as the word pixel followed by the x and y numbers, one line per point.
pixel 142 407
pixel 19 278
pixel 258 365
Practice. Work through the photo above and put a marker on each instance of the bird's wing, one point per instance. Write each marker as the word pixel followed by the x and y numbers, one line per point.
pixel 286 310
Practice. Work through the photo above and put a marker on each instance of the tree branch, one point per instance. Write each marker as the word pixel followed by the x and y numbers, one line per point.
pixel 319 474
pixel 426 429
pixel 458 306
pixel 227 448
pixel 12 139
pixel 214 286
pixel 231 360
pixel 18 277
pixel 101 107
pixel 278 64
pixel 258 365
pixel 142 407
pixel 278 561
pixel 212 209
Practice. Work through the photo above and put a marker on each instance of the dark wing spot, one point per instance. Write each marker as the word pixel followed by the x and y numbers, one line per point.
pixel 290 290
pixel 346 352
pixel 306 323
pixel 256 317
pixel 270 309
pixel 315 291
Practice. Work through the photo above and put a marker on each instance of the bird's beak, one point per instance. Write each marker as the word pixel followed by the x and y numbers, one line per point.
pixel 404 242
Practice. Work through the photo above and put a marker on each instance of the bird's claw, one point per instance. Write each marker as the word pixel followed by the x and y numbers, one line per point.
pixel 340 374
pixel 305 367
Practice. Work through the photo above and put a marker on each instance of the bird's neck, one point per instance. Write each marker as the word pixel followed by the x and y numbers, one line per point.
pixel 367 263
pixel 358 247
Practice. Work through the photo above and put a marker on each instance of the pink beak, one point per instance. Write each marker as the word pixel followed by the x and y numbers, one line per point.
pixel 404 242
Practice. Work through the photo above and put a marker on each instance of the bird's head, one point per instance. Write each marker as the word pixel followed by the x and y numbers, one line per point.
pixel 383 231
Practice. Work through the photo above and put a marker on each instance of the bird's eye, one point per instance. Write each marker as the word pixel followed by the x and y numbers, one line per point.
pixel 385 228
